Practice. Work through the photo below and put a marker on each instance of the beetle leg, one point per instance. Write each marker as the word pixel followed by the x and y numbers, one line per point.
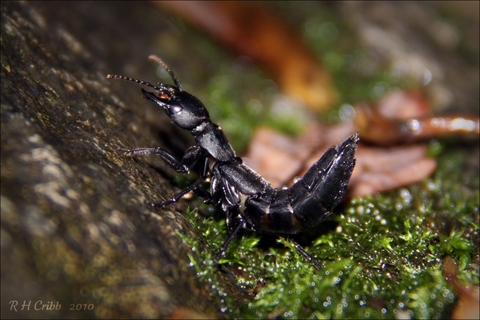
pixel 306 255
pixel 196 187
pixel 190 158
pixel 233 233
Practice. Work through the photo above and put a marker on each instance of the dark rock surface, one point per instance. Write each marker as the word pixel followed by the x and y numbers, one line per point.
pixel 76 233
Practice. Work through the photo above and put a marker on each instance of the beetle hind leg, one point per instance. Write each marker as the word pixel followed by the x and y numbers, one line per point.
pixel 301 251
pixel 223 248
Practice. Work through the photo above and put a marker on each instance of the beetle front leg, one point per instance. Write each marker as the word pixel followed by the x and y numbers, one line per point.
pixel 190 158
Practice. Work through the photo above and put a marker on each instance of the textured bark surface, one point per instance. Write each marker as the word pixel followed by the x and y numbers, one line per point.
pixel 76 232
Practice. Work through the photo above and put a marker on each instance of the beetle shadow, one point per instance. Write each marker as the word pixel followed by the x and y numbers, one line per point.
pixel 309 236
pixel 304 239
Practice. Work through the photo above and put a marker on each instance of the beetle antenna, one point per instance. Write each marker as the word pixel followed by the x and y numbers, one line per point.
pixel 170 72
pixel 145 83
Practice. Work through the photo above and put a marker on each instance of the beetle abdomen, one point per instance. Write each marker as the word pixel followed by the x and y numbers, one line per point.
pixel 310 199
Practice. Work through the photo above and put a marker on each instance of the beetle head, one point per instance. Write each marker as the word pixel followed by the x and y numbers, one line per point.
pixel 184 109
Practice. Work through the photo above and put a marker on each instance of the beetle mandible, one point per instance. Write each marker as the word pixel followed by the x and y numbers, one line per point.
pixel 248 200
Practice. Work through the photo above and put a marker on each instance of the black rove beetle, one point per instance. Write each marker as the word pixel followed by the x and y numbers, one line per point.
pixel 248 200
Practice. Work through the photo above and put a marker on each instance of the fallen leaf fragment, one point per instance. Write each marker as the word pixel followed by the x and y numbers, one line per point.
pixel 251 29
pixel 405 117
pixel 387 169
pixel 468 305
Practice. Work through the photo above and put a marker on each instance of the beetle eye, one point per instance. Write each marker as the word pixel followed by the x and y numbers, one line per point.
pixel 163 96
pixel 176 108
